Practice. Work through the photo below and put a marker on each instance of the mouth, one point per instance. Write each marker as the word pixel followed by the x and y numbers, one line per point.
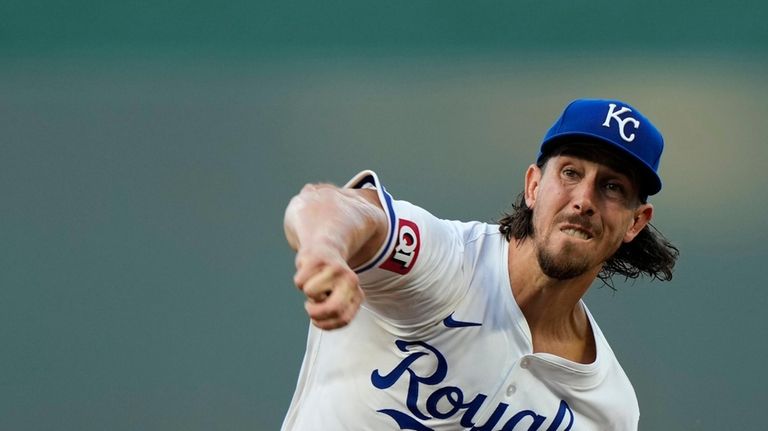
pixel 577 232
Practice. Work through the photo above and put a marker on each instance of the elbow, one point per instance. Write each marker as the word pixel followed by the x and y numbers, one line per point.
pixel 300 206
pixel 291 217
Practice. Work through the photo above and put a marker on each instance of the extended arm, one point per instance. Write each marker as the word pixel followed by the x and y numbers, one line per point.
pixel 333 230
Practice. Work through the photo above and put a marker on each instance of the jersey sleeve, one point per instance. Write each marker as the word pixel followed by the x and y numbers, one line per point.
pixel 417 275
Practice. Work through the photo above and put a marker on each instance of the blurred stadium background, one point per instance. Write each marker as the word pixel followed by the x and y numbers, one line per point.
pixel 147 151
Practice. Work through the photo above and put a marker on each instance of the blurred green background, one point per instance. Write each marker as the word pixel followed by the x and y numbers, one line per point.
pixel 148 149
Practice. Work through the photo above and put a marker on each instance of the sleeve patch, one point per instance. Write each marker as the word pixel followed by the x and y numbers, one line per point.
pixel 403 257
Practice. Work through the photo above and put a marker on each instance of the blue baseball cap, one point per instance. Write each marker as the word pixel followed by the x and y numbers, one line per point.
pixel 615 123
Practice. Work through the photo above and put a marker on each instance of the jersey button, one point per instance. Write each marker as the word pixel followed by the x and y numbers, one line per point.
pixel 524 363
pixel 511 389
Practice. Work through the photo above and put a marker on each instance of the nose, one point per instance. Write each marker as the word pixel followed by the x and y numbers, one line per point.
pixel 584 198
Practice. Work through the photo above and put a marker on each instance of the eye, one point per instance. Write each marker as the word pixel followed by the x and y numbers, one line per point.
pixel 615 189
pixel 569 172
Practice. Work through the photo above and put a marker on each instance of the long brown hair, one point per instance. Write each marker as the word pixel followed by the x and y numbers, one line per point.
pixel 649 253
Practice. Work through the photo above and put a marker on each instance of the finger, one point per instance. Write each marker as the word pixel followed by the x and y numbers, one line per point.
pixel 343 299
pixel 329 307
pixel 320 285
pixel 307 265
pixel 336 322
pixel 334 306
pixel 338 310
pixel 329 324
pixel 304 272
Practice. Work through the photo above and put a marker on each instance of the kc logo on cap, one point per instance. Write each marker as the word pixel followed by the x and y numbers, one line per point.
pixel 612 114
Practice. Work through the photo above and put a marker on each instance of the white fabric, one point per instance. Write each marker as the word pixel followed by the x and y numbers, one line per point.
pixel 445 346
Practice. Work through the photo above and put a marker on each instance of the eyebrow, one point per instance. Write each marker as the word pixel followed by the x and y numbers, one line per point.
pixel 614 173
pixel 613 170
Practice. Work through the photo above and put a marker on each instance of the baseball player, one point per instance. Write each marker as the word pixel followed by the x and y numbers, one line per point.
pixel 420 323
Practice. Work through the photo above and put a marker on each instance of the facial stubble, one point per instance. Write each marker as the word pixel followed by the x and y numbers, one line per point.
pixel 562 265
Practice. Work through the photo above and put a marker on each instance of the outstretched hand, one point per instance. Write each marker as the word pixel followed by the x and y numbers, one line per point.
pixel 332 289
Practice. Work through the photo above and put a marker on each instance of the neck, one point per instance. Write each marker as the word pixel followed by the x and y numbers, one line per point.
pixel 551 307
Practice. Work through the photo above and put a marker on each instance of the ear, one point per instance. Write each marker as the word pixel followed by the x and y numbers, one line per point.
pixel 532 180
pixel 643 216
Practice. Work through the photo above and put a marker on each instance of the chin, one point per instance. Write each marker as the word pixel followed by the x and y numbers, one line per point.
pixel 555 265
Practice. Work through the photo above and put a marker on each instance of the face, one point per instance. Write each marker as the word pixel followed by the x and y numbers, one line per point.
pixel 582 212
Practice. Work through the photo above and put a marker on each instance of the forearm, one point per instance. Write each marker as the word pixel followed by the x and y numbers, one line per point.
pixel 349 222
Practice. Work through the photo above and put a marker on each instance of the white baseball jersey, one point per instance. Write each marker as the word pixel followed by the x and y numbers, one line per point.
pixel 441 344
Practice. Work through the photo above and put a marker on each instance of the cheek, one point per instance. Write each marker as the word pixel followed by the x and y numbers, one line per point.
pixel 540 221
pixel 545 209
pixel 623 230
